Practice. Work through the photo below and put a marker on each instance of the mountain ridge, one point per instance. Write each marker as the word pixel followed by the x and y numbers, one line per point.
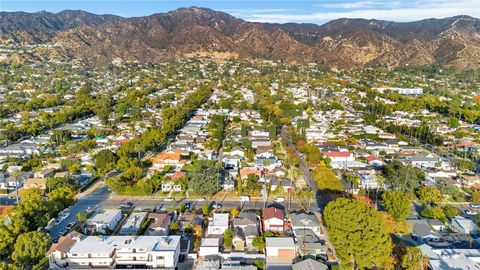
pixel 341 43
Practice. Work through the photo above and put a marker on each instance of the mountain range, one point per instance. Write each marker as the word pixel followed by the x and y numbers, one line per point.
pixel 341 43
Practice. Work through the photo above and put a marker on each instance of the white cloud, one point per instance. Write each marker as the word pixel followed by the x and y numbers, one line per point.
pixel 418 11
pixel 360 4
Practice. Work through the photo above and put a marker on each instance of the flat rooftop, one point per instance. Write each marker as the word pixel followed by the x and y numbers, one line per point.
pixel 107 244
pixel 104 217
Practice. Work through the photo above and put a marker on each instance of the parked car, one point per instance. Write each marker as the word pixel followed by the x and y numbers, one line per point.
pixel 187 205
pixel 279 199
pixel 168 199
pixel 126 205
pixel 216 205
pixel 475 205
pixel 469 212
pixel 70 225
pixel 202 199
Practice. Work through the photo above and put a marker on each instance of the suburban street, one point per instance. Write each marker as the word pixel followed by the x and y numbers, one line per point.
pixel 320 198
pixel 102 197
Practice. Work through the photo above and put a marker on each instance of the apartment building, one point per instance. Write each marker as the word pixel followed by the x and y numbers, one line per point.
pixel 110 252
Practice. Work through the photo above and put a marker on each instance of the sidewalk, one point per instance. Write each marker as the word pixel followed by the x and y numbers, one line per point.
pixel 91 189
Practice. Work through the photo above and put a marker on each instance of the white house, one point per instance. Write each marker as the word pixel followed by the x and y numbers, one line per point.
pixel 219 224
pixel 209 246
pixel 103 221
pixel 273 219
pixel 339 156
pixel 280 247
pixel 465 226
pixel 133 223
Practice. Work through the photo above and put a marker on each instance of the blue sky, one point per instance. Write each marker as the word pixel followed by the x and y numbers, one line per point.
pixel 280 11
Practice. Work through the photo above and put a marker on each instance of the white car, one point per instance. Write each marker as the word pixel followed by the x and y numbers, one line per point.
pixel 475 205
pixel 279 199
pixel 202 199
pixel 168 199
pixel 469 212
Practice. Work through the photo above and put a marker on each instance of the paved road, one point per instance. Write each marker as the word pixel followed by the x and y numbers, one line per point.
pixel 100 198
pixel 94 199
pixel 321 199
pixel 161 204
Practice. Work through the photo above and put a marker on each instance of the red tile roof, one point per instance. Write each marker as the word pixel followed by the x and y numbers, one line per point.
pixel 272 212
pixel 336 154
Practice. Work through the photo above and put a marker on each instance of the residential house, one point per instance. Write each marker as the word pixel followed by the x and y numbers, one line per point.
pixel 279 252
pixel 310 244
pixel 247 221
pixel 219 224
pixel 133 223
pixel 304 221
pixel 273 219
pixel 424 160
pixel 339 156
pixel 464 225
pixel 172 157
pixel 436 224
pixel 422 232
pixel 239 239
pixel 103 221
pixel 244 172
pixel 40 183
pixel 46 173
pixel 189 219
pixel 284 184
pixel 209 247
pixel 309 264
pixel 160 223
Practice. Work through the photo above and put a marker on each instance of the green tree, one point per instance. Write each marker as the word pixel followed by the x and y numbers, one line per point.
pixel 30 247
pixel 413 259
pixel 64 195
pixel 105 161
pixel 33 208
pixel 400 177
pixel 428 195
pixel 205 209
pixel 54 183
pixel 326 179
pixel 7 238
pixel 397 204
pixel 174 227
pixel 228 239
pixel 181 208
pixel 60 136
pixel 82 217
pixel 475 197
pixel 259 242
pixel 453 122
pixel 451 211
pixel 358 233
pixel 305 196
pixel 204 178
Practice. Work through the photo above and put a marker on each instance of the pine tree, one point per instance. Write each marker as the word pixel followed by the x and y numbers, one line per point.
pixel 358 233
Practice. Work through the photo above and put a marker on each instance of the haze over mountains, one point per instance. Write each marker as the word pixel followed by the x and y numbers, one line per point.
pixel 342 43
